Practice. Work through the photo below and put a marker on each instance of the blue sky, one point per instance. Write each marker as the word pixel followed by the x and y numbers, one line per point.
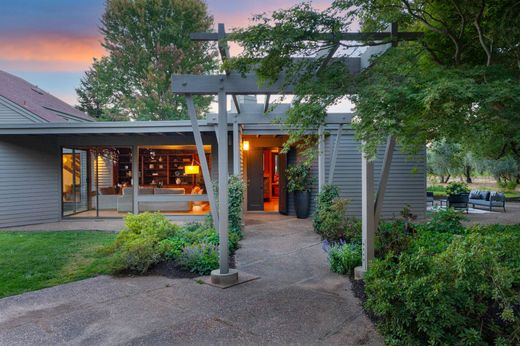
pixel 51 43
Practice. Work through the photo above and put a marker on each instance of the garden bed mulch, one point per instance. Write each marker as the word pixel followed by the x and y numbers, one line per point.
pixel 358 288
pixel 172 270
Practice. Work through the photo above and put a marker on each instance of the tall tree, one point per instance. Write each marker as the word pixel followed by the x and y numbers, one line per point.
pixel 444 160
pixel 146 42
pixel 460 82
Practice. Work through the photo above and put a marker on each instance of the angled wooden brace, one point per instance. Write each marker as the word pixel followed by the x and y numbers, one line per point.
pixel 383 180
pixel 203 161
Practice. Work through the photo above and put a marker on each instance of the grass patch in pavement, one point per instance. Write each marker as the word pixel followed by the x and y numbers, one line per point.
pixel 33 260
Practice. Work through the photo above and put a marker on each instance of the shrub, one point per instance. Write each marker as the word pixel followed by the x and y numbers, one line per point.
pixel 507 185
pixel 236 190
pixel 393 237
pixel 199 258
pixel 137 246
pixel 324 202
pixel 447 220
pixel 344 257
pixel 462 290
pixel 352 231
pixel 333 220
pixel 236 199
pixel 298 177
pixel 455 188
pixel 190 246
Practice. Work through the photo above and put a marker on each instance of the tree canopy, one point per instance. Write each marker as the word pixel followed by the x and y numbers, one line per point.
pixel 459 82
pixel 146 42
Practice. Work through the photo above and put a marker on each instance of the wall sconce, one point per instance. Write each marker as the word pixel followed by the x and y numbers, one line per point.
pixel 245 145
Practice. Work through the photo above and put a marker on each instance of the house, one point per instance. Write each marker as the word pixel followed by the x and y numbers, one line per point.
pixel 24 103
pixel 71 167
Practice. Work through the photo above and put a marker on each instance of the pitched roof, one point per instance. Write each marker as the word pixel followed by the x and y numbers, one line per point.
pixel 37 101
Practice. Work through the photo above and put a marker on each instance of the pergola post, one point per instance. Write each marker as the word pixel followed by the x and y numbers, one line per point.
pixel 236 148
pixel 202 158
pixel 367 214
pixel 223 275
pixel 321 158
pixel 135 179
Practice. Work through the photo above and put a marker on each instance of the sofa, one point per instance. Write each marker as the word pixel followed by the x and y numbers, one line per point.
pixel 125 201
pixel 488 199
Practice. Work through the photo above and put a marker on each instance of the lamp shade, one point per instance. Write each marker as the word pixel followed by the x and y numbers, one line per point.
pixel 192 169
pixel 245 145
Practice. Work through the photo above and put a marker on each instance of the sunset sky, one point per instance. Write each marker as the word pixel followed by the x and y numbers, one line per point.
pixel 51 43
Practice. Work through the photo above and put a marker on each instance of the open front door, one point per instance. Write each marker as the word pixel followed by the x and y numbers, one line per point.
pixel 282 166
pixel 255 180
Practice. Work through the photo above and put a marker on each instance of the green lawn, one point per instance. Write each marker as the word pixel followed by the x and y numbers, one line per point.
pixel 33 260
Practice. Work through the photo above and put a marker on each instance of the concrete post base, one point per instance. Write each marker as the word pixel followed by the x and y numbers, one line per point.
pixel 224 279
pixel 359 273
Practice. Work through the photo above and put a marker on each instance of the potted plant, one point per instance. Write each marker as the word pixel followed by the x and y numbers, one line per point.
pixel 458 195
pixel 299 182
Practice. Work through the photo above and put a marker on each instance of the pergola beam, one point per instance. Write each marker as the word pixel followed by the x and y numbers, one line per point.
pixel 233 83
pixel 343 36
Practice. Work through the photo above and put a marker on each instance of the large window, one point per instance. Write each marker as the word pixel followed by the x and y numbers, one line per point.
pixel 98 181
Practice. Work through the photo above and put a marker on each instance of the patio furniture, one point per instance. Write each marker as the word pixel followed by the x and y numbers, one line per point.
pixel 429 198
pixel 458 201
pixel 488 199
pixel 124 203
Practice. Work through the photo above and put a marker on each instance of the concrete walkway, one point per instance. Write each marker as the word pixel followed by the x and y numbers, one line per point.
pixel 295 301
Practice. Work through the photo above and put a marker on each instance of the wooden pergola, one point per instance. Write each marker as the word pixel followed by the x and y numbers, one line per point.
pixel 233 83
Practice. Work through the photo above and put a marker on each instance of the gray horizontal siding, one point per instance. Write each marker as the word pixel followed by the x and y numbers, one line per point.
pixel 406 184
pixel 29 181
pixel 11 113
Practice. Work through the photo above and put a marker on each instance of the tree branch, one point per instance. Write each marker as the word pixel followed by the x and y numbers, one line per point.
pixel 476 22
pixel 445 31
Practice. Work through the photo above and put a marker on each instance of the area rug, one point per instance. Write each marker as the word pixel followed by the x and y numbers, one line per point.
pixel 470 210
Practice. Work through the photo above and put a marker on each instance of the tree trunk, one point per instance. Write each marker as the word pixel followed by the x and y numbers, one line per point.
pixel 467 173
pixel 447 179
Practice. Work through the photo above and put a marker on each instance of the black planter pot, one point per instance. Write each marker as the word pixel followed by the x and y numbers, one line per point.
pixel 302 204
pixel 458 201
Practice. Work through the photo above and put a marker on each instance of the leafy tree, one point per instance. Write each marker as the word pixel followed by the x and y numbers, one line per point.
pixel 146 42
pixel 505 170
pixel 459 82
pixel 444 160
pixel 451 159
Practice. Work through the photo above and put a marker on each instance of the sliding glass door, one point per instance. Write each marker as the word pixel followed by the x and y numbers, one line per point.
pixel 74 181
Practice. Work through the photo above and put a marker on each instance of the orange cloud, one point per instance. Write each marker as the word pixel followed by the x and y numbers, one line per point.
pixel 50 52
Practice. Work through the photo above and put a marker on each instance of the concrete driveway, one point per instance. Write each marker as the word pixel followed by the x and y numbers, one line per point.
pixel 295 301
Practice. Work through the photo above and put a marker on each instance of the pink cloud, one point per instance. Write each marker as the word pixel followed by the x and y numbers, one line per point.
pixel 51 52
